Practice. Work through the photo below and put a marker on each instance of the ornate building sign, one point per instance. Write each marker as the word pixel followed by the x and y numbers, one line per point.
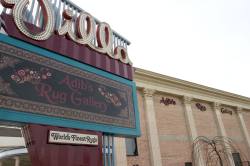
pixel 201 107
pixel 226 111
pixel 167 101
pixel 83 35
pixel 36 84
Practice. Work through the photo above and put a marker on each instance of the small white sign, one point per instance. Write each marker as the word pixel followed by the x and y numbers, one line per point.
pixel 72 138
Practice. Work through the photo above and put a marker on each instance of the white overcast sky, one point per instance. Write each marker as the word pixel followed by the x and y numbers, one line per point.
pixel 202 41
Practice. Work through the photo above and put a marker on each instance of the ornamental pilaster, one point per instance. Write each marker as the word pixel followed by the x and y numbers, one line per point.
pixel 189 117
pixel 192 127
pixel 152 130
pixel 187 100
pixel 243 127
pixel 148 92
pixel 222 131
pixel 216 106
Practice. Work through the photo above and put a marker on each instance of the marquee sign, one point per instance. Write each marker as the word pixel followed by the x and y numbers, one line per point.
pixel 36 84
pixel 46 84
pixel 82 36
pixel 60 78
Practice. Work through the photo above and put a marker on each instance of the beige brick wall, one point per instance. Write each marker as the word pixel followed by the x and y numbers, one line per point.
pixel 174 139
pixel 246 116
pixel 143 158
pixel 234 131
pixel 242 149
pixel 175 153
pixel 232 125
pixel 173 134
pixel 205 120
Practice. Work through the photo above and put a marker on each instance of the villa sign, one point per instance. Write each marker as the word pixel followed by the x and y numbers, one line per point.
pixel 70 77
pixel 84 35
pixel 59 137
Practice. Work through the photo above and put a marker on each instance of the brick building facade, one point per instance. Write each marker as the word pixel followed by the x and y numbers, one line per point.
pixel 173 113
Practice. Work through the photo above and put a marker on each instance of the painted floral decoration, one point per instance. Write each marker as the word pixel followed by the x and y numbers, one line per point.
pixel 27 75
pixel 109 97
pixel 7 62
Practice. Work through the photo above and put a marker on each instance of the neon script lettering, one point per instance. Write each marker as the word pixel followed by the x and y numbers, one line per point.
pixel 83 35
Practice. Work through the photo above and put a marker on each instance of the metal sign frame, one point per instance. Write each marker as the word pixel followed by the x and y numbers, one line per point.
pixel 12 115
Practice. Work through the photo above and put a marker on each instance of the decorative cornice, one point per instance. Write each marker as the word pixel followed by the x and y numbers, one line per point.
pixel 187 100
pixel 148 92
pixel 166 84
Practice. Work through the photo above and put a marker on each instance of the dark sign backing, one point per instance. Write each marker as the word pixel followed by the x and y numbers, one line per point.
pixel 32 83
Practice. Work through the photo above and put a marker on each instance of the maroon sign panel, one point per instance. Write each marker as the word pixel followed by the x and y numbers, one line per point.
pixel 42 153
pixel 70 49
pixel 40 85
